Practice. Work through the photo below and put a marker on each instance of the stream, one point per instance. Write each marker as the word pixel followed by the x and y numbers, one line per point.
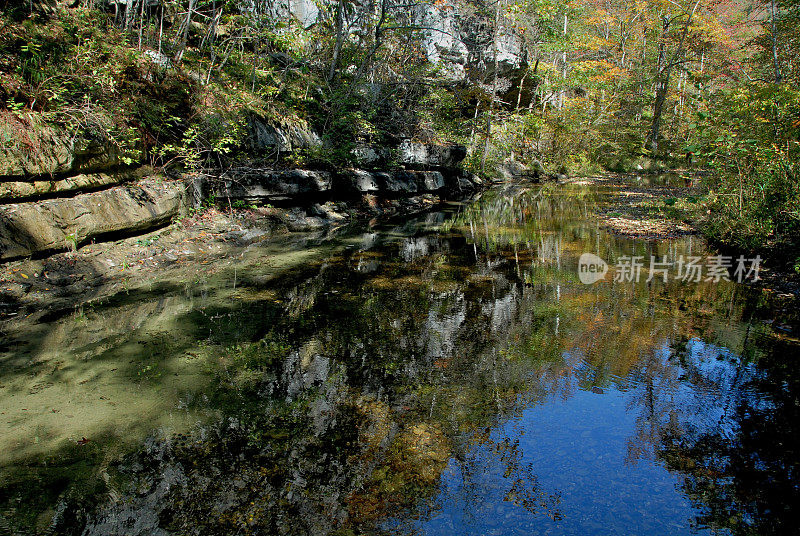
pixel 448 374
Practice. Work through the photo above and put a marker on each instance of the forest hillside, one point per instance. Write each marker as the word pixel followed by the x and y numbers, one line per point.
pixel 577 87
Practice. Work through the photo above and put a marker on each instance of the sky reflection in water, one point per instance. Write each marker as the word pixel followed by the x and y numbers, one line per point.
pixel 448 375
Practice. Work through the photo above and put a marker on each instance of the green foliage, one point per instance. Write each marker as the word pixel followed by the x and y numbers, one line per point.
pixel 205 143
pixel 751 141
pixel 16 108
pixel 440 114
pixel 585 100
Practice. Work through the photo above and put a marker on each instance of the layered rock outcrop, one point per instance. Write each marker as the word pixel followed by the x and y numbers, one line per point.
pixel 34 228
pixel 417 169
pixel 266 137
pixel 442 41
pixel 264 185
pixel 45 186
pixel 59 191
pixel 461 43
pixel 41 160
pixel 466 47
pixel 44 150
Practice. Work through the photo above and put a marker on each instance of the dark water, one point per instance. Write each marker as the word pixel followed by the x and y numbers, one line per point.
pixel 447 375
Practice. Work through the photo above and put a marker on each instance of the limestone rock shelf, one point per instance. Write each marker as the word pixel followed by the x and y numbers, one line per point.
pixel 42 214
pixel 59 224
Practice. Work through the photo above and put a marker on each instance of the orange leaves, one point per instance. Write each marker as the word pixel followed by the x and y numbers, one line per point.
pixel 599 71
pixel 600 16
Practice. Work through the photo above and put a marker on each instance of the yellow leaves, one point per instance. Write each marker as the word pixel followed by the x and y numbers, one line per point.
pixel 599 71
pixel 600 17
pixel 593 42
pixel 709 29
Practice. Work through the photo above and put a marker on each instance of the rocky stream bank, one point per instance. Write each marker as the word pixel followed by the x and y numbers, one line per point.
pixel 665 206
pixel 76 222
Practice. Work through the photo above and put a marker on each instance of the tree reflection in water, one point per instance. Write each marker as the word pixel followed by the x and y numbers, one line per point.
pixel 399 383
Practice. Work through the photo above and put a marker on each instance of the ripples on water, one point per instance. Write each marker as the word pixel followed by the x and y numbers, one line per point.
pixel 448 375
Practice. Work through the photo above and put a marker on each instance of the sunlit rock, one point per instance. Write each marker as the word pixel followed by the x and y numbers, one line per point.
pixel 250 184
pixel 63 224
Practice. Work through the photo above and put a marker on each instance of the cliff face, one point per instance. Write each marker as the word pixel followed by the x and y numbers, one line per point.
pixel 466 48
pixel 458 39
pixel 63 185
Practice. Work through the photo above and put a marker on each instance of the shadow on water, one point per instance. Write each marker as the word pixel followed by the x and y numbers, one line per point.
pixel 448 375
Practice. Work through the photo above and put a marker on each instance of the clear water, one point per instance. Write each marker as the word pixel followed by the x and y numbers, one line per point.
pixel 446 375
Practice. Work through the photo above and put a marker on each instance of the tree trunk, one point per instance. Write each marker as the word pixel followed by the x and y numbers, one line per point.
pixel 662 78
pixel 774 36
pixel 337 47
pixel 661 84
pixel 160 29
pixel 128 14
pixel 185 33
pixel 563 68
pixel 490 111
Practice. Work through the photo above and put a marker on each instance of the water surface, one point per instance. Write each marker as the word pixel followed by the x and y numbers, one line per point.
pixel 449 374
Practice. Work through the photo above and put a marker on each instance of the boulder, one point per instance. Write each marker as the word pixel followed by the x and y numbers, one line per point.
pixel 428 181
pixel 157 58
pixel 397 182
pixel 254 185
pixel 464 182
pixel 266 137
pixel 538 167
pixel 298 221
pixel 369 157
pixel 562 174
pixel 512 170
pixel 334 212
pixel 61 224
pixel 426 155
pixel 357 181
